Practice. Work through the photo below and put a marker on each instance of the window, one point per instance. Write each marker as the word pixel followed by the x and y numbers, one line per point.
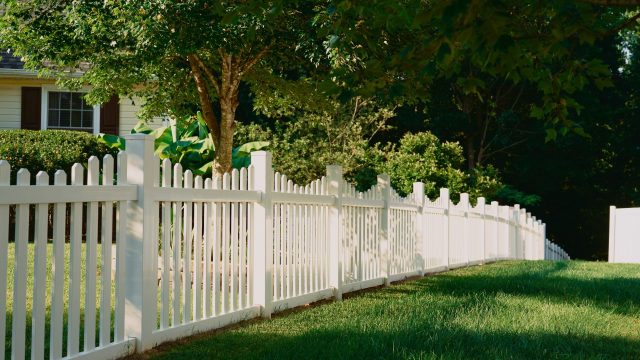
pixel 68 110
pixel 64 109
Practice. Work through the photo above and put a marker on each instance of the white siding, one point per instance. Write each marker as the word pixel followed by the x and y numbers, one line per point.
pixel 9 106
pixel 128 118
pixel 10 93
pixel 129 115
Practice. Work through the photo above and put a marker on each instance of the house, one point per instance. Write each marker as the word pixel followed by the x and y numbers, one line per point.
pixel 31 102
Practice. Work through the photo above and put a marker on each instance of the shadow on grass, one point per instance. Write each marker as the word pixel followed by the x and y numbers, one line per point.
pixel 405 321
pixel 427 341
pixel 619 294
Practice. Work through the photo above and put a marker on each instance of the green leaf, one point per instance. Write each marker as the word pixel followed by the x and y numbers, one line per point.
pixel 333 39
pixel 252 146
pixel 112 141
pixel 552 135
pixel 141 128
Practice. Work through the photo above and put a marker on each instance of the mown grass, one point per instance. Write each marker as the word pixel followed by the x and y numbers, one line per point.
pixel 504 310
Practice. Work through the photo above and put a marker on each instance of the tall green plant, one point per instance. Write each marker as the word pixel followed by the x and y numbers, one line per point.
pixel 188 143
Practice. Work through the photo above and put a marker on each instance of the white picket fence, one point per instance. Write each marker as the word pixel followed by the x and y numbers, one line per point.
pixel 553 251
pixel 192 254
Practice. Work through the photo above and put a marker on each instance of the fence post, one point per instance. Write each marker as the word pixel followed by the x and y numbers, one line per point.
pixel 515 217
pixel 464 201
pixel 496 233
pixel 523 233
pixel 384 183
pixel 262 248
pixel 421 234
pixel 335 183
pixel 530 241
pixel 480 203
pixel 612 233
pixel 140 263
pixel 445 202
pixel 544 238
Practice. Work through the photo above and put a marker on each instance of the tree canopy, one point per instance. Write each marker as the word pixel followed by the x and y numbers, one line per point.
pixel 177 56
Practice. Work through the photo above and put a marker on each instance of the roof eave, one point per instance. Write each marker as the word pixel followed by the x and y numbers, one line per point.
pixel 29 74
pixel 18 73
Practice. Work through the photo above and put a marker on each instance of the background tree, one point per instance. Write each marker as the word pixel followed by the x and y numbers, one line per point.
pixel 172 54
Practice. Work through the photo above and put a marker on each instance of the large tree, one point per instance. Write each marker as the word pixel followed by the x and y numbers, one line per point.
pixel 172 54
pixel 488 52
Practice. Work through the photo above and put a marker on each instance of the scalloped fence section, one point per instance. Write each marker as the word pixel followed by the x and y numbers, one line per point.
pixel 124 254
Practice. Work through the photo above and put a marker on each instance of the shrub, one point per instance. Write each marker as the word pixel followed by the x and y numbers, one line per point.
pixel 187 142
pixel 302 149
pixel 48 150
pixel 423 157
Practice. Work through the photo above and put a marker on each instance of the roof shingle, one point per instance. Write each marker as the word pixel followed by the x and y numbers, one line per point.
pixel 9 61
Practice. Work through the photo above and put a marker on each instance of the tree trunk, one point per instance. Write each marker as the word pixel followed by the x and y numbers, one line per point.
pixel 223 159
pixel 205 102
pixel 228 95
pixel 226 87
pixel 471 151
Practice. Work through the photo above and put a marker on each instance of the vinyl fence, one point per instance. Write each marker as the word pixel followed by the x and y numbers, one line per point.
pixel 554 252
pixel 164 254
pixel 624 235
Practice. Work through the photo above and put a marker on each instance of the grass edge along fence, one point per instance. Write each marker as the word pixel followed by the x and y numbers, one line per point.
pixel 193 254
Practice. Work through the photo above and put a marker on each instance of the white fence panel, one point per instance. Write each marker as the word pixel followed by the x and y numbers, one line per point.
pixel 476 232
pixel 458 229
pixel 360 237
pixel 403 237
pixel 151 253
pixel 436 230
pixel 300 242
pixel 83 210
pixel 491 232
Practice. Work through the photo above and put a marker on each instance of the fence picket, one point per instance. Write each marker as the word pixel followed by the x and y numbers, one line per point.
pixel 5 178
pixel 226 218
pixel 20 273
pixel 107 241
pixel 208 247
pixel 217 240
pixel 178 268
pixel 73 337
pixel 121 248
pixel 243 242
pixel 234 243
pixel 277 242
pixel 165 306
pixel 198 244
pixel 187 251
pixel 91 244
pixel 57 290
pixel 39 274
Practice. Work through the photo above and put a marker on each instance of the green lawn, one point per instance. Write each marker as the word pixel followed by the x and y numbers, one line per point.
pixel 504 310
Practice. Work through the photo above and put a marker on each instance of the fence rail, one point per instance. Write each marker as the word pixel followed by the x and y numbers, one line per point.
pixel 151 253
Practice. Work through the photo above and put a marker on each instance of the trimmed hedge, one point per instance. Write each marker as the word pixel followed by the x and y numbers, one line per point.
pixel 48 150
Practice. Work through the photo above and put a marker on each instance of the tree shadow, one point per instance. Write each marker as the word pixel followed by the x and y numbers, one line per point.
pixel 426 341
pixel 402 322
pixel 618 294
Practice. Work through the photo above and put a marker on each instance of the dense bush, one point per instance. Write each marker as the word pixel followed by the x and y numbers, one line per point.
pixel 48 150
pixel 304 146
pixel 301 150
pixel 423 157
